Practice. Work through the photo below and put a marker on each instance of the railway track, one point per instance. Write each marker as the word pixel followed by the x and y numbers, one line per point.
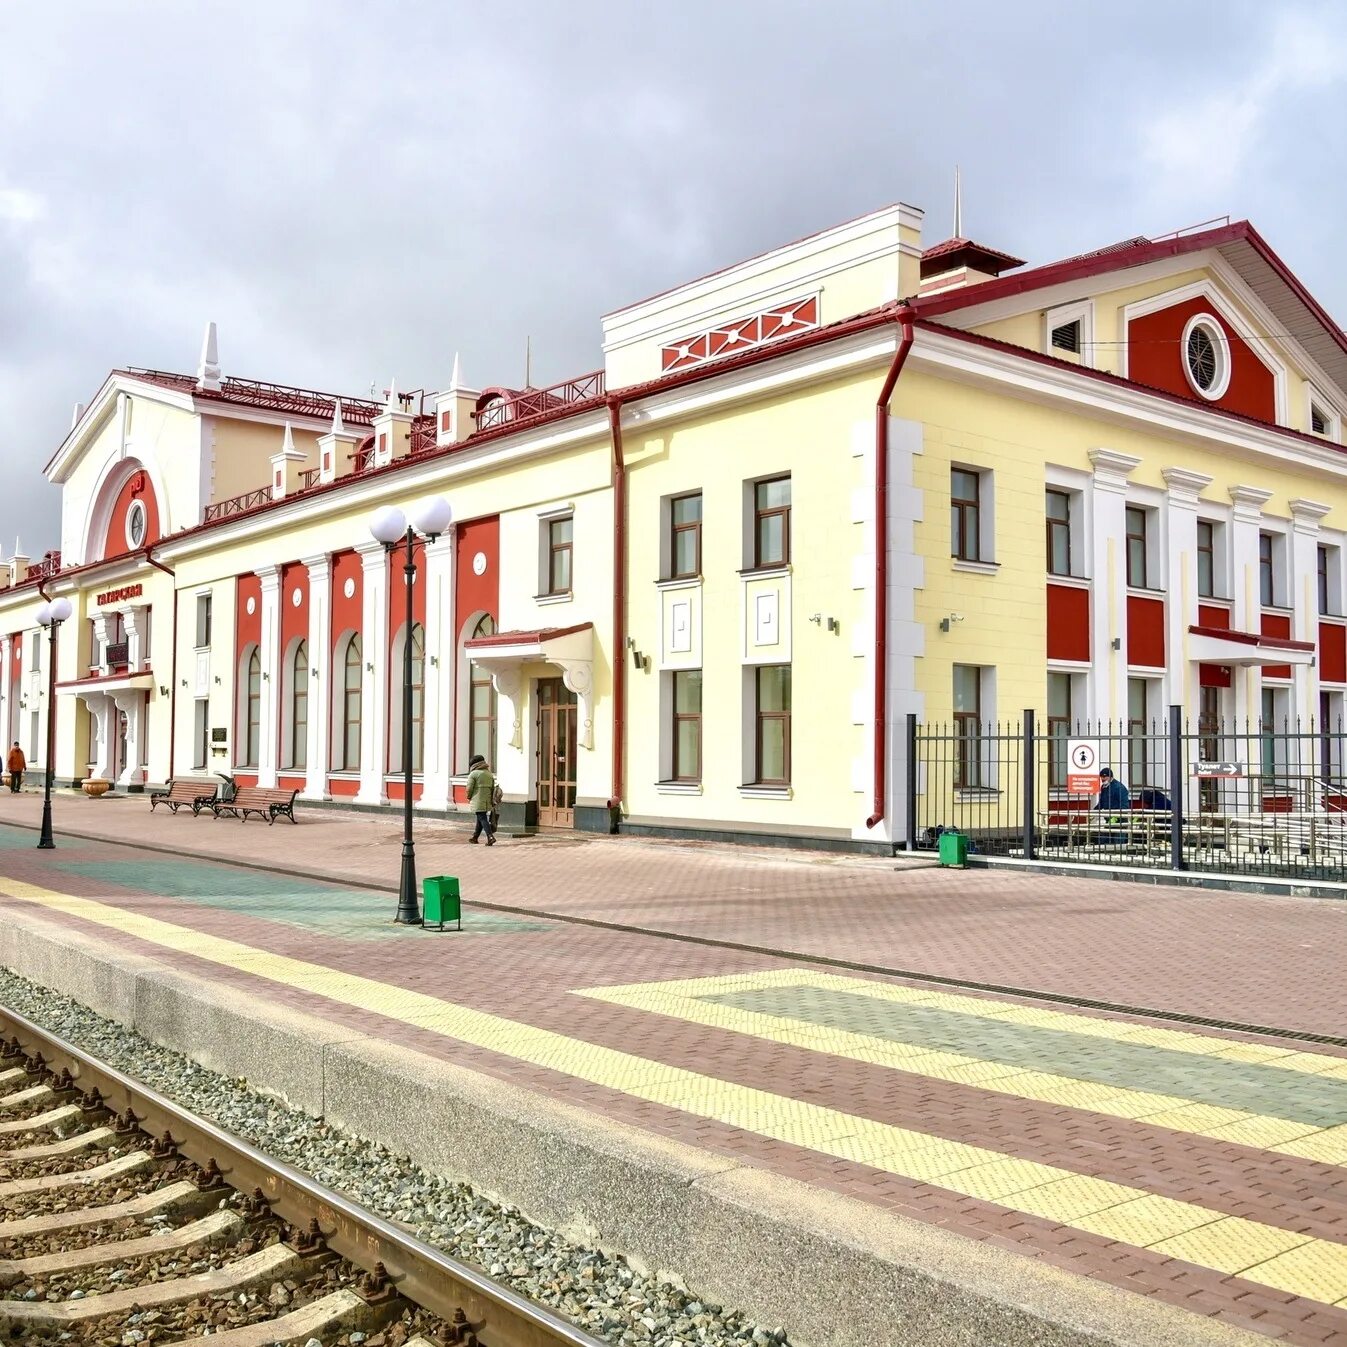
pixel 127 1221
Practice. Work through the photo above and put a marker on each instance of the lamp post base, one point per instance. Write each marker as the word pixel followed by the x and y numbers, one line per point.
pixel 46 842
pixel 409 904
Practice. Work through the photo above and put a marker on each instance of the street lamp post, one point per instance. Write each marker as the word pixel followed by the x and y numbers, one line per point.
pixel 50 615
pixel 391 527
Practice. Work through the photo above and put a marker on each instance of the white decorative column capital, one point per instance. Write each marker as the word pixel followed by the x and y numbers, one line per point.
pixel 1248 502
pixel 1306 514
pixel 1112 469
pixel 1184 486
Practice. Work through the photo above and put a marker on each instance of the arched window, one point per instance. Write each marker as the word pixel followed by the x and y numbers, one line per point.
pixel 253 711
pixel 350 706
pixel 299 707
pixel 481 699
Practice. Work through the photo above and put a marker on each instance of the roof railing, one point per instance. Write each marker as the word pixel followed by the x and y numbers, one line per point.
pixel 530 402
pixel 227 509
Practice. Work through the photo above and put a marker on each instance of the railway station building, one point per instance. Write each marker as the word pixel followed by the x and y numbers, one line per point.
pixel 1105 486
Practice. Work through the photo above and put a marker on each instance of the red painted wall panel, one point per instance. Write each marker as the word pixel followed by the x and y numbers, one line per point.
pixel 1146 632
pixel 1213 615
pixel 136 487
pixel 347 613
pixel 1213 675
pixel 1276 624
pixel 1155 357
pixel 1332 652
pixel 475 593
pixel 1068 622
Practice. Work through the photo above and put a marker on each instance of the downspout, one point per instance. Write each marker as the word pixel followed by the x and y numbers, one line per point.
pixel 173 678
pixel 905 315
pixel 619 602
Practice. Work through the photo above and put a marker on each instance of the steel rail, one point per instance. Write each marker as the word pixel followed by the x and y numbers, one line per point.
pixel 498 1316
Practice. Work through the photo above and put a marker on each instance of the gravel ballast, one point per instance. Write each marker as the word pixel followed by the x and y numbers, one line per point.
pixel 601 1293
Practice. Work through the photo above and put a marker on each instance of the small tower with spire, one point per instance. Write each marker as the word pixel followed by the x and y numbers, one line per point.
pixel 285 466
pixel 392 430
pixel 208 369
pixel 335 449
pixel 454 408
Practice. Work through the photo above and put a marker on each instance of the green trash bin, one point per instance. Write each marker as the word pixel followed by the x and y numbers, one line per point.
pixel 441 901
pixel 954 849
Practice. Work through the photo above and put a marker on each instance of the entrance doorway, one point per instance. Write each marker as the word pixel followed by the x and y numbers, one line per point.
pixel 557 744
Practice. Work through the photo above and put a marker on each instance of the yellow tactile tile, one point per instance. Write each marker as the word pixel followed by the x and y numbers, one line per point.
pixel 1201 1118
pixel 1264 1134
pixel 1147 1220
pixel 1330 1146
pixel 1317 1270
pixel 1230 1245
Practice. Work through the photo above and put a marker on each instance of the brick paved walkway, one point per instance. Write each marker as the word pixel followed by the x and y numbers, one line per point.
pixel 1202 1168
pixel 1270 961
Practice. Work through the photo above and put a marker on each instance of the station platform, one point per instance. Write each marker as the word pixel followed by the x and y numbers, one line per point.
pixel 876 1104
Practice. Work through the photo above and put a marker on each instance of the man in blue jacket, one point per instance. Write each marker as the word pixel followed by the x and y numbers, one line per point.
pixel 1112 793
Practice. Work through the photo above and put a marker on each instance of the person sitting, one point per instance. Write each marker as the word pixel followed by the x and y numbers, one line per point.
pixel 1151 797
pixel 1113 794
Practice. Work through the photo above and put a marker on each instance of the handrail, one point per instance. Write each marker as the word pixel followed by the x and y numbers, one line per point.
pixel 530 402
pixel 226 509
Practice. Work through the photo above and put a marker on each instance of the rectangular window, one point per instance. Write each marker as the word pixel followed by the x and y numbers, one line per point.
pixel 1059 726
pixel 203 606
pixel 687 725
pixel 1058 507
pixel 1325 597
pixel 1267 575
pixel 965 500
pixel 772 712
pixel 559 537
pixel 1137 547
pixel 685 536
pixel 967 726
pixel 201 734
pixel 1138 733
pixel 1206 559
pixel 34 730
pixel 771 522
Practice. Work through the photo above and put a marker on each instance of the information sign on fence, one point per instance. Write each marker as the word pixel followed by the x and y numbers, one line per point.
pixel 1082 766
pixel 1218 769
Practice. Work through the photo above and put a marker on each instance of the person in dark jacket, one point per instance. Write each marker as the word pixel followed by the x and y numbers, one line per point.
pixel 15 765
pixel 1113 794
pixel 481 798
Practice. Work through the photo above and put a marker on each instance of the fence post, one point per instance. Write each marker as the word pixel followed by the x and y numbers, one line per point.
pixel 911 781
pixel 1176 784
pixel 1029 762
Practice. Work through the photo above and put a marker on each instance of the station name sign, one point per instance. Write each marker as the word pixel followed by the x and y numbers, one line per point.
pixel 119 595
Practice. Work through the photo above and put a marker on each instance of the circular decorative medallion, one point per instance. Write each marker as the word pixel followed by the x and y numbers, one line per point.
pixel 296 596
pixel 479 564
pixel 252 606
pixel 349 587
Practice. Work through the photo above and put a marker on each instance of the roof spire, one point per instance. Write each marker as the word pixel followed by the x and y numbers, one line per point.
pixel 208 371
pixel 456 378
pixel 958 203
pixel 528 362
pixel 392 404
pixel 18 546
pixel 288 442
pixel 75 417
pixel 338 426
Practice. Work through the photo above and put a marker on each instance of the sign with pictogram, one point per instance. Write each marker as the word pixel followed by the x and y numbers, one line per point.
pixel 1082 766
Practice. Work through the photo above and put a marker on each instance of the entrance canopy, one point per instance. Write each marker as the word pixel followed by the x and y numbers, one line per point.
pixel 1215 645
pixel 570 649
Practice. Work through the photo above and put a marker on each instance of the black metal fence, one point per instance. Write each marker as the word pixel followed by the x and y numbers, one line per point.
pixel 1260 799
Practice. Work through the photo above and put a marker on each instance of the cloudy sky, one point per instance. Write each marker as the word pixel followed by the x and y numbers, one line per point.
pixel 353 191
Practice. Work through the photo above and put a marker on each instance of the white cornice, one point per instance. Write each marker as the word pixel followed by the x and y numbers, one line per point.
pixel 1185 485
pixel 1112 469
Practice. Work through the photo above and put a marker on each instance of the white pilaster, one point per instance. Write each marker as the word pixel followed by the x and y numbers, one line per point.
pixel 6 693
pixel 269 651
pixel 1246 605
pixel 101 635
pixel 132 704
pixel 103 710
pixel 1181 676
pixel 320 664
pixel 438 703
pixel 1303 588
pixel 134 624
pixel 374 685
pixel 1107 700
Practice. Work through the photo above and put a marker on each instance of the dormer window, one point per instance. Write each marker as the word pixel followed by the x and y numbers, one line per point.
pixel 1322 417
pixel 1318 420
pixel 1066 337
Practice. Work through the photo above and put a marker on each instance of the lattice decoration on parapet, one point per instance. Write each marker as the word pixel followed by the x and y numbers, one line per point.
pixel 784 320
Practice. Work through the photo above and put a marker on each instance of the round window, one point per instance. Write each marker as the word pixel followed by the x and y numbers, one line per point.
pixel 135 523
pixel 1206 356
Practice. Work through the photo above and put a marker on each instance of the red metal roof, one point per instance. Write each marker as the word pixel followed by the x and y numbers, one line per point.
pixel 962 252
pixel 524 637
pixel 258 393
pixel 1251 638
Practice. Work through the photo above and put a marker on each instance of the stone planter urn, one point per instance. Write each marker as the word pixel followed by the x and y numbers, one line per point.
pixel 96 786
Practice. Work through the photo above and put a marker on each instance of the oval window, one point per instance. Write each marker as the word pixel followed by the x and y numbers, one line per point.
pixel 1206 356
pixel 135 524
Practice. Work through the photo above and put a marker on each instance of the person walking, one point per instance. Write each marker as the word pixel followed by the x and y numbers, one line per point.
pixel 481 798
pixel 16 764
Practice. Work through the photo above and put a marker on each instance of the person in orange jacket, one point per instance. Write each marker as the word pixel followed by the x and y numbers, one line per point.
pixel 15 765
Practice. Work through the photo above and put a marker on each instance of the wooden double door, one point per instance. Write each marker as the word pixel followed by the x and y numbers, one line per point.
pixel 557 742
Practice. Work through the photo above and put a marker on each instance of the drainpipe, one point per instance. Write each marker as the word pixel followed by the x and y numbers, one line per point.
pixel 905 315
pixel 173 677
pixel 619 602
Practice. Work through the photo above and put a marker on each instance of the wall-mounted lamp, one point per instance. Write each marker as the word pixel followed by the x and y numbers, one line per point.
pixel 163 691
pixel 434 661
pixel 947 622
pixel 217 680
pixel 184 682
pixel 369 668
pixel 266 677
pixel 641 661
pixel 313 673
pixel 834 624
pixel 1117 642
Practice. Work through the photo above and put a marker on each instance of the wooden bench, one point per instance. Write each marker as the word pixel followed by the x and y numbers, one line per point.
pixel 264 801
pixel 194 795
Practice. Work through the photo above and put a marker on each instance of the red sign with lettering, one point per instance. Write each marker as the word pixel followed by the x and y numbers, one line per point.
pixel 119 595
